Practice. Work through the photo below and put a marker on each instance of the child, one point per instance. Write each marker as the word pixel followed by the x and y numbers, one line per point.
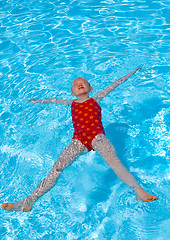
pixel 88 135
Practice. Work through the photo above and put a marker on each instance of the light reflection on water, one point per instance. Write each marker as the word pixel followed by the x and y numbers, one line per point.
pixel 43 48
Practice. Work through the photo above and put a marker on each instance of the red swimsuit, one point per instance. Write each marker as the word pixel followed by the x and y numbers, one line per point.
pixel 87 122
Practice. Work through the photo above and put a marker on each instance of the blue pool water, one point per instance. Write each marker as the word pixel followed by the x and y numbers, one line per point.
pixel 44 46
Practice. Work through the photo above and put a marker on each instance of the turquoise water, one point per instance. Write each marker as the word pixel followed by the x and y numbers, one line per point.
pixel 44 46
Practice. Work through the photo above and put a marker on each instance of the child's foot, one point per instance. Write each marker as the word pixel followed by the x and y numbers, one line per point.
pixel 143 196
pixel 22 205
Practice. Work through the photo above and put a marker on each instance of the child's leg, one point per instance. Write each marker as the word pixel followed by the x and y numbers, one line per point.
pixel 69 154
pixel 106 150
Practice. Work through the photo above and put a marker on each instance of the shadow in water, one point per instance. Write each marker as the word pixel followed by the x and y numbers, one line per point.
pixel 117 134
pixel 143 111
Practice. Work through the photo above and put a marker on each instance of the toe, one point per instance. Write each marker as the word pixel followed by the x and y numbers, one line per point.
pixel 7 206
pixel 151 198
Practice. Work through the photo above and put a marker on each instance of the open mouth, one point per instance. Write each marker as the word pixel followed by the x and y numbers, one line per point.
pixel 80 88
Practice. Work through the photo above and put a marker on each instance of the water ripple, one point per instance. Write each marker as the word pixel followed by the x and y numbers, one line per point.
pixel 44 46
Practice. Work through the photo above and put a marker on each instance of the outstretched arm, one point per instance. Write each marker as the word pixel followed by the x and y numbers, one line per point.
pixel 51 100
pixel 98 97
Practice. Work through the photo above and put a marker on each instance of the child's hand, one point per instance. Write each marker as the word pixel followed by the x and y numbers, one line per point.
pixel 123 79
pixel 33 100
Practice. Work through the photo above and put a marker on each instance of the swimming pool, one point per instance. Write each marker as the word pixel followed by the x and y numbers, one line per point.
pixel 44 46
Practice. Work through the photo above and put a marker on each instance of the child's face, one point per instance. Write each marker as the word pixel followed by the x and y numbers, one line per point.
pixel 80 86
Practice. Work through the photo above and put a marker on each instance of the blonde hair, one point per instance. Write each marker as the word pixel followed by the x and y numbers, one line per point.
pixel 80 78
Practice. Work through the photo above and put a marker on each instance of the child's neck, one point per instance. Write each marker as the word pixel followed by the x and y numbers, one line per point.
pixel 82 98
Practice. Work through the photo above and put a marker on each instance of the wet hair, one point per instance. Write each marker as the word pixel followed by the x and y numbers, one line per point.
pixel 80 78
